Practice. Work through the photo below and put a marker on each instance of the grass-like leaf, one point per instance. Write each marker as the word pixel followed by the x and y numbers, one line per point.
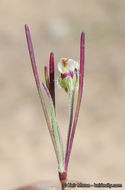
pixel 56 131
pixel 80 92
pixel 46 76
pixel 51 77
pixel 34 67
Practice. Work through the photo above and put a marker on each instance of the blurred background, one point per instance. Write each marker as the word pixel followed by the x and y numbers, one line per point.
pixel 26 152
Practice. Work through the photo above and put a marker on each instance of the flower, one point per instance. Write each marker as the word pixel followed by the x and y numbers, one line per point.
pixel 69 74
pixel 66 65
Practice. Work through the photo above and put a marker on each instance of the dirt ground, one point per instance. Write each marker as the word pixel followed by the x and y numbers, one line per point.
pixel 26 152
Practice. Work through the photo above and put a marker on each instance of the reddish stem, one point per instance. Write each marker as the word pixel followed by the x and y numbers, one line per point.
pixel 63 178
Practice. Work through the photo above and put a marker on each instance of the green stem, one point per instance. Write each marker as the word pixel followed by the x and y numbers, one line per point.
pixel 70 122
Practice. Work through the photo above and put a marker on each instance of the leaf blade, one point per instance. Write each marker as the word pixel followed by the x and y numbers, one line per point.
pixel 56 132
pixel 36 76
pixel 80 92
pixel 51 77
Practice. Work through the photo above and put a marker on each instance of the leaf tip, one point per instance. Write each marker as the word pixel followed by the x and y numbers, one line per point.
pixel 82 39
pixel 52 60
pixel 26 27
pixel 51 54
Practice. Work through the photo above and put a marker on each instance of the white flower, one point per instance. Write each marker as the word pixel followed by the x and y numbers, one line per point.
pixel 69 75
pixel 67 65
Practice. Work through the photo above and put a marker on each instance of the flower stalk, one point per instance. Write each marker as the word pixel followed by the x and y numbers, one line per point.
pixel 71 80
pixel 70 122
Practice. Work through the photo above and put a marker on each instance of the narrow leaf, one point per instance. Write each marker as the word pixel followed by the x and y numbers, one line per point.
pixel 32 56
pixel 56 132
pixel 51 77
pixel 46 76
pixel 81 77
pixel 36 76
pixel 34 67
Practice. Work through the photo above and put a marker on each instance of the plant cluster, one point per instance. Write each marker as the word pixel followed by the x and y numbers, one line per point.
pixel 71 80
